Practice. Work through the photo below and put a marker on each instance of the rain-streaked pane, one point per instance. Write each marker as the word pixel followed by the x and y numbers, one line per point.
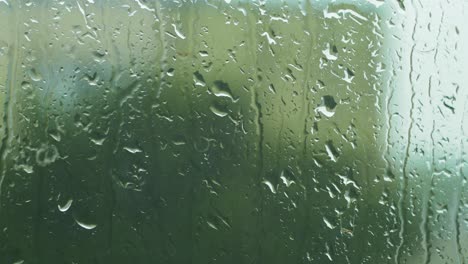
pixel 235 131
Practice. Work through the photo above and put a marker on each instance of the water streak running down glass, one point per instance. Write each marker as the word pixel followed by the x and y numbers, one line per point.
pixel 235 131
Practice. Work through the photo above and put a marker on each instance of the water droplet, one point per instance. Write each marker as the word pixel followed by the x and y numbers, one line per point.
pixel 218 111
pixel 348 75
pixel 269 185
pixel 327 107
pixel 221 89
pixel 198 79
pixel 330 52
pixel 287 176
pixel 271 41
pixel 327 223
pixel 55 134
pixel 133 150
pixel 170 72
pixel 211 225
pixel 28 169
pixel 26 85
pixel 5 2
pixel 98 141
pixel 143 5
pixel 178 33
pixel 66 206
pixel 85 225
pixel 46 155
pixel 331 151
pixel 35 75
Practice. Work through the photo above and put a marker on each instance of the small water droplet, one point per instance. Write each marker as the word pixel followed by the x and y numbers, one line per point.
pixel 98 141
pixel 26 85
pixel 270 186
pixel 217 111
pixel 46 155
pixel 65 207
pixel 287 176
pixel 330 52
pixel 327 107
pixel 211 225
pixel 34 75
pixel 170 72
pixel 85 225
pixel 133 150
pixel 348 75
pixel 198 79
pixel 327 223
pixel 28 169
pixel 55 134
pixel 178 33
pixel 221 89
pixel 331 151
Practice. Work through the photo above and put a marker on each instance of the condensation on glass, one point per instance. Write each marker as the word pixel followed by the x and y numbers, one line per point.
pixel 233 131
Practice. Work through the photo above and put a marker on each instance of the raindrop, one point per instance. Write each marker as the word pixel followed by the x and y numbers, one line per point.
pixel 35 75
pixel 330 53
pixel 287 177
pixel 270 186
pixel 217 110
pixel 66 206
pixel 221 89
pixel 211 225
pixel 331 151
pixel 328 223
pixel 327 107
pixel 170 72
pixel 55 134
pixel 198 79
pixel 98 141
pixel 133 150
pixel 178 33
pixel 46 155
pixel 87 226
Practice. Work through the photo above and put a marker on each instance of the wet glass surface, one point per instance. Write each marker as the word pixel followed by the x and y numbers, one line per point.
pixel 233 131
